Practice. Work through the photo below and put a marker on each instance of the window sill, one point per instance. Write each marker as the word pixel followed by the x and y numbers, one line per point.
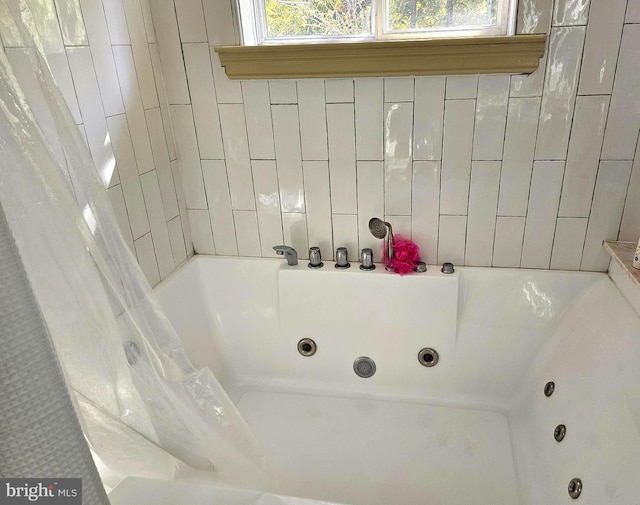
pixel 518 54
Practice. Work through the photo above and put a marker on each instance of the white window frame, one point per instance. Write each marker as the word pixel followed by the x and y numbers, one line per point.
pixel 253 25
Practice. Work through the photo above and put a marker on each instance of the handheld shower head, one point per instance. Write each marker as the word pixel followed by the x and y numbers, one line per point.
pixel 378 227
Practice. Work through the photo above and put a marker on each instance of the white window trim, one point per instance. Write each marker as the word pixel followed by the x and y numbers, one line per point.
pixel 253 27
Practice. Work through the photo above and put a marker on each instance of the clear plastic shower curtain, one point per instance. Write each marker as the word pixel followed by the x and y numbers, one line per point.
pixel 144 408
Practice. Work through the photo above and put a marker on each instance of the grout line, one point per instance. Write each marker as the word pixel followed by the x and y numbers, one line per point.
pixel 553 240
pixel 613 88
pixel 260 245
pixel 444 115
pixel 593 94
pixel 473 135
pixel 119 186
pixel 628 189
pixel 330 185
pixel 586 232
pixel 306 222
pixel 504 143
pixel 533 162
pixel 411 150
pixel 355 166
pixel 624 203
pixel 233 216
pixel 204 21
pixel 275 165
pixel 155 255
pixel 564 168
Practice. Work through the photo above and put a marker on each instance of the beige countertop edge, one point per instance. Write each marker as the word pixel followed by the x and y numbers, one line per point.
pixel 623 253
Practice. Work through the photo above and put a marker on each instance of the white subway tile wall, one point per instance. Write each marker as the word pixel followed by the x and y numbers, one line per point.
pixel 147 258
pixel 559 94
pixel 507 245
pixel 570 12
pixel 491 117
pixel 203 99
pixel 428 114
pixel 246 233
pixel 110 75
pixel 342 157
pixel 631 216
pixel 220 211
pixel 542 213
pixel 606 212
pixel 483 205
pixel 601 46
pixel 398 129
pixel 491 170
pixel 318 198
pixel 201 231
pixel 623 122
pixel 370 176
pixel 313 120
pixel 451 239
pixel 457 145
pixel 518 154
pixel 633 12
pixel 425 207
pixel 568 243
pixel 533 17
pixel 265 181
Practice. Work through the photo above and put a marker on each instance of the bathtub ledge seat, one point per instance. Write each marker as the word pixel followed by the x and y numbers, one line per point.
pixel 625 277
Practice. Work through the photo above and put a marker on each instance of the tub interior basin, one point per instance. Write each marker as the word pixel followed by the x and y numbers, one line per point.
pixel 476 428
pixel 377 452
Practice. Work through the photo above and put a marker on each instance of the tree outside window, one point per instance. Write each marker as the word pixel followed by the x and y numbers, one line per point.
pixel 349 18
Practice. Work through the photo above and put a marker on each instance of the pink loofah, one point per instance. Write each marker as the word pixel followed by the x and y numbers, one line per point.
pixel 405 255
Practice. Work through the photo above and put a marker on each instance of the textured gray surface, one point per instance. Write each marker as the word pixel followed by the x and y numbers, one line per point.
pixel 40 435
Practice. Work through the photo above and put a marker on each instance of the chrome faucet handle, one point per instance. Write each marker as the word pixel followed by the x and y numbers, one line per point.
pixel 420 267
pixel 342 258
pixel 315 258
pixel 366 259
pixel 447 268
pixel 290 254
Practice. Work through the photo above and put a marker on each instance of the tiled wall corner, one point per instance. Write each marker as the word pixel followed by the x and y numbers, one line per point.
pixel 104 57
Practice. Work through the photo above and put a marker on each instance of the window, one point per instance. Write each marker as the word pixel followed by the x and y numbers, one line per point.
pixel 299 39
pixel 298 21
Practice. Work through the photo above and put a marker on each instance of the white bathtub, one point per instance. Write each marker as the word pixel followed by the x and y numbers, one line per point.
pixel 476 428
